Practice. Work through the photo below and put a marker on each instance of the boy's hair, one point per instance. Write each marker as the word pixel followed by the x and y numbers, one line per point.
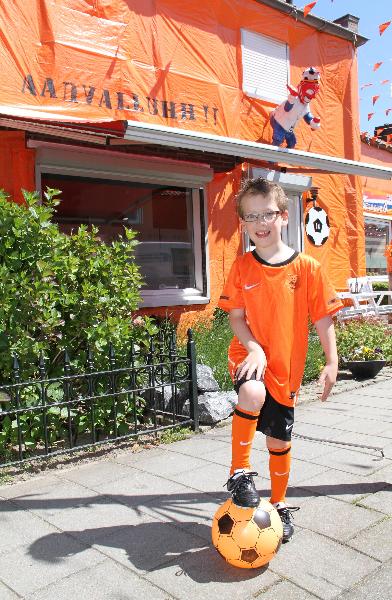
pixel 259 185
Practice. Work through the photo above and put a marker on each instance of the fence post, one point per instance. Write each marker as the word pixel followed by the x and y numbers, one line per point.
pixel 193 397
pixel 16 380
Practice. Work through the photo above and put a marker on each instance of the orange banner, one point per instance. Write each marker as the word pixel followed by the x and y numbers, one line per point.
pixel 159 61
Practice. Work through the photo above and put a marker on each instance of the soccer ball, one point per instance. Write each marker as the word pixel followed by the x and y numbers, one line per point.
pixel 311 74
pixel 317 226
pixel 247 537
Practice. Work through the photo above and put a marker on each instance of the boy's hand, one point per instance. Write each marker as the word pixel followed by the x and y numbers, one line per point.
pixel 255 362
pixel 327 380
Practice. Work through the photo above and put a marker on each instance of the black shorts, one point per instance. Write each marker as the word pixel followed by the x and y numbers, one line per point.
pixel 275 420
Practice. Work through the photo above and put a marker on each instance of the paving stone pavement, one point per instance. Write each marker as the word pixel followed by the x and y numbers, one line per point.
pixel 138 524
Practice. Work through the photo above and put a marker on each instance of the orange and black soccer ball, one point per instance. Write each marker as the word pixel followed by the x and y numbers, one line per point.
pixel 247 537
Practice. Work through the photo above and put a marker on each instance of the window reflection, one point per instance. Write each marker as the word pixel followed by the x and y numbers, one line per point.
pixel 161 215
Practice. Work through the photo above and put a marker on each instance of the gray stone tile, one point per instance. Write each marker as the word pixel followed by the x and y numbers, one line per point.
pixel 151 543
pixel 200 446
pixel 92 474
pixel 286 590
pixel 321 566
pixel 142 488
pixel 20 528
pixel 350 461
pixel 209 478
pixel 318 431
pixel 105 581
pixel 49 501
pixel 46 560
pixel 375 541
pixel 307 450
pixel 187 513
pixel 381 501
pixel 378 586
pixel 206 576
pixel 6 593
pixel 161 462
pixel 302 470
pixel 335 519
pixel 37 485
pixel 319 415
pixel 103 513
pixel 347 487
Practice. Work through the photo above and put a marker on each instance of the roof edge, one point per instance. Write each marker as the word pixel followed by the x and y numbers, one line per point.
pixel 318 23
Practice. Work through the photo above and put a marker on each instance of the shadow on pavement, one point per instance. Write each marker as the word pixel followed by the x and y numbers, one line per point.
pixel 148 547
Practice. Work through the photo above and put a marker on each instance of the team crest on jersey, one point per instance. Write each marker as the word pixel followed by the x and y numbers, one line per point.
pixel 291 282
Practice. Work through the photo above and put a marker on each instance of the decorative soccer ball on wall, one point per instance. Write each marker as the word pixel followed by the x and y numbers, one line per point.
pixel 247 537
pixel 317 226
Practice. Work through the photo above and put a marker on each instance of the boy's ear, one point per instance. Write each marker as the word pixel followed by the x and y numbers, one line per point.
pixel 285 217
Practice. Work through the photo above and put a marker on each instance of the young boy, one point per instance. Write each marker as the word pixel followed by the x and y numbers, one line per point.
pixel 270 294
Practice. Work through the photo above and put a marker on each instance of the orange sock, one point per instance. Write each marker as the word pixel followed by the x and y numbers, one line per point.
pixel 242 434
pixel 279 466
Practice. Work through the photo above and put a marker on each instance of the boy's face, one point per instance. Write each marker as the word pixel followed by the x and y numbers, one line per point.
pixel 262 220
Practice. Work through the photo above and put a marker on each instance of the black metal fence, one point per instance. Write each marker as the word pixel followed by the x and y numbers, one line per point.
pixel 45 416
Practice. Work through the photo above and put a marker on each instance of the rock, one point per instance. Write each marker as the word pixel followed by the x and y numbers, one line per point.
pixel 206 381
pixel 214 406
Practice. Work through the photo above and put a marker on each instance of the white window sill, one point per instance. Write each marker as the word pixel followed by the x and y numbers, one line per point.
pixel 158 298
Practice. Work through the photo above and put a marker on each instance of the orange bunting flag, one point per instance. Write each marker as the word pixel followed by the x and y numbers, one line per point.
pixel 370 116
pixel 388 111
pixel 308 8
pixel 384 81
pixel 365 85
pixel 383 27
pixel 377 66
pixel 374 99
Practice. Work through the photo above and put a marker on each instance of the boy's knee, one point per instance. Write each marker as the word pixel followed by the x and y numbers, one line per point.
pixel 275 444
pixel 251 395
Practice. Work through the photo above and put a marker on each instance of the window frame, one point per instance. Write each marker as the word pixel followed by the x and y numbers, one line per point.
pixel 273 99
pixel 94 164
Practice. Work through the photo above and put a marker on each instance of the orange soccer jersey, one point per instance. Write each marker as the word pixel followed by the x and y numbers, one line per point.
pixel 278 301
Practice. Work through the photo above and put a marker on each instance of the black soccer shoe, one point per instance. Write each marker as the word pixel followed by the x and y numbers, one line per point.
pixel 242 489
pixel 287 521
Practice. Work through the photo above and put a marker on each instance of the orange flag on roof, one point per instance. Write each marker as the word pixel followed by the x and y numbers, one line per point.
pixel 383 27
pixel 384 81
pixel 308 8
pixel 374 99
pixel 377 66
pixel 370 116
pixel 388 111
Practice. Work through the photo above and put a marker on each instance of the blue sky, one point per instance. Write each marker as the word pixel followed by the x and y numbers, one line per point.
pixel 371 14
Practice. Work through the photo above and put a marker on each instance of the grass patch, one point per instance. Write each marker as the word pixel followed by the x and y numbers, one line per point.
pixel 174 435
pixel 211 347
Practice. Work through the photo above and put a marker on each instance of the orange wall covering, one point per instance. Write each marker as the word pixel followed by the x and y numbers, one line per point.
pixel 179 64
pixel 16 164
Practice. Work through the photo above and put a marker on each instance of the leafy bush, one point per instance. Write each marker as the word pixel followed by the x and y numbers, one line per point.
pixel 363 339
pixel 59 291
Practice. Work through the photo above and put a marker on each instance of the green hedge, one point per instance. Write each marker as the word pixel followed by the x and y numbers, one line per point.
pixel 59 291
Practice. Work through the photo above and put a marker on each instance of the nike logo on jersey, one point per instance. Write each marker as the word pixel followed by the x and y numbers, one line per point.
pixel 289 426
pixel 249 286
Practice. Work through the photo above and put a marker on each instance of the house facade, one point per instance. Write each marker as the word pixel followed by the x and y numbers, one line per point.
pixel 149 114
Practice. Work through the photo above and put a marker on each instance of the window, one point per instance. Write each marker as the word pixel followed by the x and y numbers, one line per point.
pixel 265 64
pixel 168 218
pixel 377 236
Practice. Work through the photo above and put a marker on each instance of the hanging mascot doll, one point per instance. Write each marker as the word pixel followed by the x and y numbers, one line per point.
pixel 286 116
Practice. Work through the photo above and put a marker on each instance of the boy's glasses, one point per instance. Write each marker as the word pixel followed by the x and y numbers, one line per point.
pixel 267 217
